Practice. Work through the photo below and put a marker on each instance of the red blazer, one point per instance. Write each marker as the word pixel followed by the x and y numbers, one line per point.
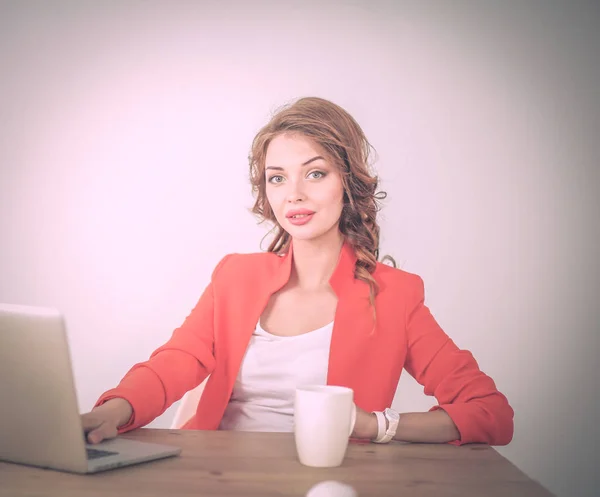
pixel 367 352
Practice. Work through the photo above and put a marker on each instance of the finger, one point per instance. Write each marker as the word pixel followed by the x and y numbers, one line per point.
pixel 93 437
pixel 102 432
pixel 89 421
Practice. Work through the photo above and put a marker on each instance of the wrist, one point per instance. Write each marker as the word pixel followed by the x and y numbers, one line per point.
pixel 373 426
pixel 387 425
pixel 119 410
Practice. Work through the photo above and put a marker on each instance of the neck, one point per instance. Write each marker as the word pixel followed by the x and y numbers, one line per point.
pixel 315 260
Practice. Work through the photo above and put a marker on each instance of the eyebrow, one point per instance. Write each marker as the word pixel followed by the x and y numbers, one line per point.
pixel 317 157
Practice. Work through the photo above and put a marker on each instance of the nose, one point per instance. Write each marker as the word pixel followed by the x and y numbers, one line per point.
pixel 296 193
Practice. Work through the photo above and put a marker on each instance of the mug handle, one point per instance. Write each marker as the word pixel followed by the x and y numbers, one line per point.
pixel 352 418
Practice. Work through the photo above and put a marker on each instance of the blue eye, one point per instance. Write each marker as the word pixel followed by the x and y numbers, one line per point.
pixel 316 174
pixel 275 179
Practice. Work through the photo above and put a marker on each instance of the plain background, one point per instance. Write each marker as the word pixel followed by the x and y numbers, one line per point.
pixel 124 134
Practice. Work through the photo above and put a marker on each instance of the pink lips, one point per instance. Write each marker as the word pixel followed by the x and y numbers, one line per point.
pixel 299 217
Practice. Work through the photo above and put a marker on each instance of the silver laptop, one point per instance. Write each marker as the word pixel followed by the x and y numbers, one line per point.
pixel 40 422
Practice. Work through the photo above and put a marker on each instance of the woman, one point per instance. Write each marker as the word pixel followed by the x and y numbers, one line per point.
pixel 316 308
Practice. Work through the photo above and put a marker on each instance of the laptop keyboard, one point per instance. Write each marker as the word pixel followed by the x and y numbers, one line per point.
pixel 96 453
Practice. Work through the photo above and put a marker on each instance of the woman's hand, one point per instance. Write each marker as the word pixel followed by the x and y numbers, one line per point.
pixel 365 426
pixel 103 421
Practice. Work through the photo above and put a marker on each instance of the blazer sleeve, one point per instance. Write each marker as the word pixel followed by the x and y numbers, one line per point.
pixel 480 412
pixel 179 365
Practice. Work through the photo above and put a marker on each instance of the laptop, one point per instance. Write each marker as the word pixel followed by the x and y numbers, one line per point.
pixel 40 421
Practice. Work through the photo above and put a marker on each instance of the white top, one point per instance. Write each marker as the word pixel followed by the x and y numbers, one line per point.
pixel 264 390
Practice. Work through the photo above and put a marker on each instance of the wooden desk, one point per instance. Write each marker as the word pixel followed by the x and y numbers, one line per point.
pixel 265 464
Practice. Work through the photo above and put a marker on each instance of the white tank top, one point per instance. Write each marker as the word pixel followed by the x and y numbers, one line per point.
pixel 264 390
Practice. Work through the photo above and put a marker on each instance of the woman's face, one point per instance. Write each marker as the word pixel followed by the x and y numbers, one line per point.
pixel 303 187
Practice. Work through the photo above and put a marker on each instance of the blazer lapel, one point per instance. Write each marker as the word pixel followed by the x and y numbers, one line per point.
pixel 276 275
pixel 354 322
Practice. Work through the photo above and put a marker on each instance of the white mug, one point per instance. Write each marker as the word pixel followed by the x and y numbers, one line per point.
pixel 324 417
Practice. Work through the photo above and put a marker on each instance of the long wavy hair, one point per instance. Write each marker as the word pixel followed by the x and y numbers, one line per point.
pixel 346 145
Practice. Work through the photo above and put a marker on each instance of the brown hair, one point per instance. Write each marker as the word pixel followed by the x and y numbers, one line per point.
pixel 334 129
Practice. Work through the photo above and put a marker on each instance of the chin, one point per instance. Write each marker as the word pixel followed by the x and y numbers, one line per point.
pixel 296 235
pixel 306 235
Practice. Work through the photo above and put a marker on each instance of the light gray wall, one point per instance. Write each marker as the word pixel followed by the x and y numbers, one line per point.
pixel 124 132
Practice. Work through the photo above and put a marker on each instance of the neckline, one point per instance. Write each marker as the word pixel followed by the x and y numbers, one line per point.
pixel 327 327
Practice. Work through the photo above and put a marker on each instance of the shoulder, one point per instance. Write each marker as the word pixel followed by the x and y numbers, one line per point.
pixel 397 280
pixel 242 265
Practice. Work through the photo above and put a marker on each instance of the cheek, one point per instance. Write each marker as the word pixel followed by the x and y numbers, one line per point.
pixel 333 201
pixel 273 199
pixel 338 195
